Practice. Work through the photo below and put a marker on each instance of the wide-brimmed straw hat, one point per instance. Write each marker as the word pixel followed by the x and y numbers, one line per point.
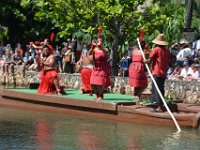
pixel 160 40
pixel 175 45
pixel 183 41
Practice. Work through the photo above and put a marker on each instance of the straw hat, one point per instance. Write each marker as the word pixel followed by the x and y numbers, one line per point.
pixel 175 45
pixel 183 41
pixel 160 40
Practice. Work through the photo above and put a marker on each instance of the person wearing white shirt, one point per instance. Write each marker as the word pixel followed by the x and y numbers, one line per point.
pixel 184 53
pixel 185 71
pixel 194 74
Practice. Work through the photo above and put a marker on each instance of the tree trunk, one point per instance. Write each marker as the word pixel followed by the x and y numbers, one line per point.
pixel 188 19
pixel 119 37
pixel 114 55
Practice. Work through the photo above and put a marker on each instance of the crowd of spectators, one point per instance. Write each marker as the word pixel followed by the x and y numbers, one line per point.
pixel 184 63
pixel 30 57
pixel 185 58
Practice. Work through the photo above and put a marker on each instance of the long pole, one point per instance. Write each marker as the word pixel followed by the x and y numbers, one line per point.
pixel 161 96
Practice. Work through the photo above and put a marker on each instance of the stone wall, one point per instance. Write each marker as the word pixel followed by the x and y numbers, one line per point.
pixel 187 91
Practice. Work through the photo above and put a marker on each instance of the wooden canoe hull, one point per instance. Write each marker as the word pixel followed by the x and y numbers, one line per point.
pixel 128 112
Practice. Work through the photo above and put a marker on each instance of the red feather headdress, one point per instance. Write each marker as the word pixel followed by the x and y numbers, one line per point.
pixel 99 31
pixel 141 34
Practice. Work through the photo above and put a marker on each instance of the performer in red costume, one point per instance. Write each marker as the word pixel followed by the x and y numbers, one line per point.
pixel 50 82
pixel 86 63
pixel 100 73
pixel 137 74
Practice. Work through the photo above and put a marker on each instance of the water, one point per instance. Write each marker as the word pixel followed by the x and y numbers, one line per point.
pixel 29 130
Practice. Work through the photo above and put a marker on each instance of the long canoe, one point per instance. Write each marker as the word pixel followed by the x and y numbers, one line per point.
pixel 115 107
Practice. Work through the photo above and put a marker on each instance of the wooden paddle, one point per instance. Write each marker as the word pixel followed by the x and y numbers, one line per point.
pixel 161 96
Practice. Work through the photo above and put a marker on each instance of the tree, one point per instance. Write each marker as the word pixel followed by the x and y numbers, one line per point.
pixel 188 20
pixel 119 19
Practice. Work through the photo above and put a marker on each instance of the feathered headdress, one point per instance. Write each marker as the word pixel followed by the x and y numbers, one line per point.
pixel 99 31
pixel 141 34
pixel 52 36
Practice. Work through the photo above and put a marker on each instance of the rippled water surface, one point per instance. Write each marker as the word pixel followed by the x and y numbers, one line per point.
pixel 28 130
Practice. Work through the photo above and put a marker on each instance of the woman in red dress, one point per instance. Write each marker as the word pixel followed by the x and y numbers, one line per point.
pixel 137 74
pixel 100 73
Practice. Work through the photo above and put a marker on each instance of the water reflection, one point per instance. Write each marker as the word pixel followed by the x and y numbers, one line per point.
pixel 87 138
pixel 27 130
pixel 44 135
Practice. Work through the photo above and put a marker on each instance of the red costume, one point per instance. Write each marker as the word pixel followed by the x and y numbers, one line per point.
pixel 51 49
pixel 46 84
pixel 137 75
pixel 85 77
pixel 101 70
pixel 160 57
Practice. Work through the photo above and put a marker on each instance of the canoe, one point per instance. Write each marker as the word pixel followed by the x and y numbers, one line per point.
pixel 114 107
pixel 144 114
pixel 192 108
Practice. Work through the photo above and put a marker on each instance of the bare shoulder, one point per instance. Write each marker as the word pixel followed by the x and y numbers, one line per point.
pixel 106 49
pixel 51 56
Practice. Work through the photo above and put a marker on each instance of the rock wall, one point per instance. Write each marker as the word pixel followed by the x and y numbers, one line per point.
pixel 187 91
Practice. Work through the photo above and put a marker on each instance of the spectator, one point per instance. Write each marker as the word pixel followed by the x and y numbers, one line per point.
pixel 6 62
pixel 175 49
pixel 176 71
pixel 78 49
pixel 16 60
pixel 2 49
pixel 183 43
pixel 130 48
pixel 186 52
pixel 194 74
pixel 68 60
pixel 124 64
pixel 8 46
pixel 37 65
pixel 196 56
pixel 185 71
pixel 32 51
pixel 27 59
pixel 58 58
pixel 19 48
pixel 64 50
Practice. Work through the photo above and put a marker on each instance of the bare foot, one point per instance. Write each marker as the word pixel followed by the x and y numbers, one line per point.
pixel 80 91
pixel 99 98
pixel 158 110
pixel 59 93
pixel 139 103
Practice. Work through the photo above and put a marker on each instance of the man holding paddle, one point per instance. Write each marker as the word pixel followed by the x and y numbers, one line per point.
pixel 160 57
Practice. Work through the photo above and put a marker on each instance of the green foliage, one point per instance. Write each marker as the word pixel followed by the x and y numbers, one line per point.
pixel 3 32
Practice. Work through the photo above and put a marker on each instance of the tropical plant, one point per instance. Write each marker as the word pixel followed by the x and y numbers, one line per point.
pixel 3 32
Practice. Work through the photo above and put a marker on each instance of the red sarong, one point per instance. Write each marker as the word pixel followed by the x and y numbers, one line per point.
pixel 85 77
pixel 46 84
pixel 101 71
pixel 137 74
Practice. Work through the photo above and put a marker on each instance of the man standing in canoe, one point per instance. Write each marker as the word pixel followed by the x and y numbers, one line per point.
pixel 160 57
pixel 50 81
pixel 86 63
